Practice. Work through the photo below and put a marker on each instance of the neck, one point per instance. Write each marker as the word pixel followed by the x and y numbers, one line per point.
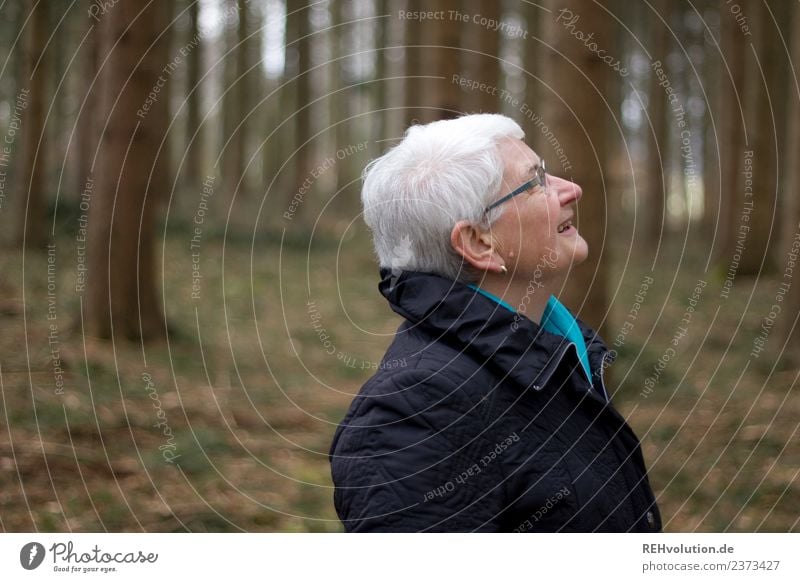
pixel 528 298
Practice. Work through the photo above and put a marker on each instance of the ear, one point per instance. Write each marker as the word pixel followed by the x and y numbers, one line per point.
pixel 476 246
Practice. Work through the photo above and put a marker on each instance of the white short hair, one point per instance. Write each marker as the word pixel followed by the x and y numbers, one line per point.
pixel 439 174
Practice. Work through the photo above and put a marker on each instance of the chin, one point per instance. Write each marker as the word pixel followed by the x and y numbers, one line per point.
pixel 581 252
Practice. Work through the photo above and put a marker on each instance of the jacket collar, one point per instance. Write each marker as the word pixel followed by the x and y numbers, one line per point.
pixel 452 312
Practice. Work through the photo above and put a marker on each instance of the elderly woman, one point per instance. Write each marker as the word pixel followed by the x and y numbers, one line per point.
pixel 488 412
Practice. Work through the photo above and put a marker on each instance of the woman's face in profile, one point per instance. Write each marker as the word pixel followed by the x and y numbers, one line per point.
pixel 537 233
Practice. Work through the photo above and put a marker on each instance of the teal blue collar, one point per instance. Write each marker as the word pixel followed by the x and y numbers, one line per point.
pixel 557 320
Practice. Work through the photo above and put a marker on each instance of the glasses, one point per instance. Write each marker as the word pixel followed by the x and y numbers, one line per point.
pixel 539 180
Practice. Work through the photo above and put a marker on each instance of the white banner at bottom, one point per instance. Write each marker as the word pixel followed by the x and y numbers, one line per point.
pixel 399 557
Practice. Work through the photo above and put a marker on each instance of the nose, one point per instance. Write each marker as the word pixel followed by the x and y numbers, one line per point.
pixel 566 191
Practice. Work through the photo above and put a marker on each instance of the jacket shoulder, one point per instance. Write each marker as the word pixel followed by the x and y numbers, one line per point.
pixel 441 365
pixel 408 433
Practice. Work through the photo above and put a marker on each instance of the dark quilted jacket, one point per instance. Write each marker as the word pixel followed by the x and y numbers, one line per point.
pixel 472 423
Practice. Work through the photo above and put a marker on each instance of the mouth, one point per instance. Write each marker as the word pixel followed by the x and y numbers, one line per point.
pixel 566 227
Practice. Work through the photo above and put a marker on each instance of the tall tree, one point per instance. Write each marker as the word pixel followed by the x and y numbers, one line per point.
pixel 194 133
pixel 730 107
pixel 121 293
pixel 761 132
pixel 244 85
pixel 62 46
pixel 533 15
pixel 394 92
pixel 433 58
pixel 32 179
pixel 574 105
pixel 86 126
pixel 790 323
pixel 286 138
pixel 235 102
pixel 482 63
pixel 443 99
pixel 347 173
pixel 304 152
pixel 272 146
pixel 379 118
pixel 414 57
pixel 659 144
pixel 712 168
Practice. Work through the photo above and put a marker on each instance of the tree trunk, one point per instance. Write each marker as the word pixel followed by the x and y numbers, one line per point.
pixel 484 65
pixel 121 287
pixel 658 161
pixel 761 194
pixel 228 110
pixel 235 105
pixel 394 90
pixel 86 124
pixel 533 47
pixel 346 129
pixel 272 145
pixel 242 102
pixel 194 133
pixel 443 99
pixel 304 153
pixel 432 91
pixel 351 128
pixel 413 65
pixel 286 144
pixel 32 179
pixel 730 104
pixel 790 322
pixel 712 226
pixel 575 111
pixel 378 120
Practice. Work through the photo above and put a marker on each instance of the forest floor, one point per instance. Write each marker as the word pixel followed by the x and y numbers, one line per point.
pixel 227 426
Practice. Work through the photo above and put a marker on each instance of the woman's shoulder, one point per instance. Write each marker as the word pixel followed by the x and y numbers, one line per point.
pixel 415 358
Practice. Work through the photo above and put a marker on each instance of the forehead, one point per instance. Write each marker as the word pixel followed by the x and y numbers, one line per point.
pixel 519 159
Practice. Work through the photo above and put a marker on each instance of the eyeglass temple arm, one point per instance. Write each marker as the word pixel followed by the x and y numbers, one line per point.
pixel 527 185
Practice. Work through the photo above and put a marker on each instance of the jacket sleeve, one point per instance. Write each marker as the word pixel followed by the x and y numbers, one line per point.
pixel 403 468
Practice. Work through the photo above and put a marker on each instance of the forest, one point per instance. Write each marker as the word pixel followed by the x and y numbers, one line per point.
pixel 189 295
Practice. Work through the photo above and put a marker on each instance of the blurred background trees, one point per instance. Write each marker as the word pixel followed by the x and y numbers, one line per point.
pixel 657 110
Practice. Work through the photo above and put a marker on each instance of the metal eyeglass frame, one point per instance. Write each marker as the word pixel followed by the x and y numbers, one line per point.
pixel 539 180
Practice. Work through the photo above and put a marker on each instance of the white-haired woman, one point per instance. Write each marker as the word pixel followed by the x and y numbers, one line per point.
pixel 498 420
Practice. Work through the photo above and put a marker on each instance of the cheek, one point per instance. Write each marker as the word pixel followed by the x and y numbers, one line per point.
pixel 554 208
pixel 548 224
pixel 509 236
